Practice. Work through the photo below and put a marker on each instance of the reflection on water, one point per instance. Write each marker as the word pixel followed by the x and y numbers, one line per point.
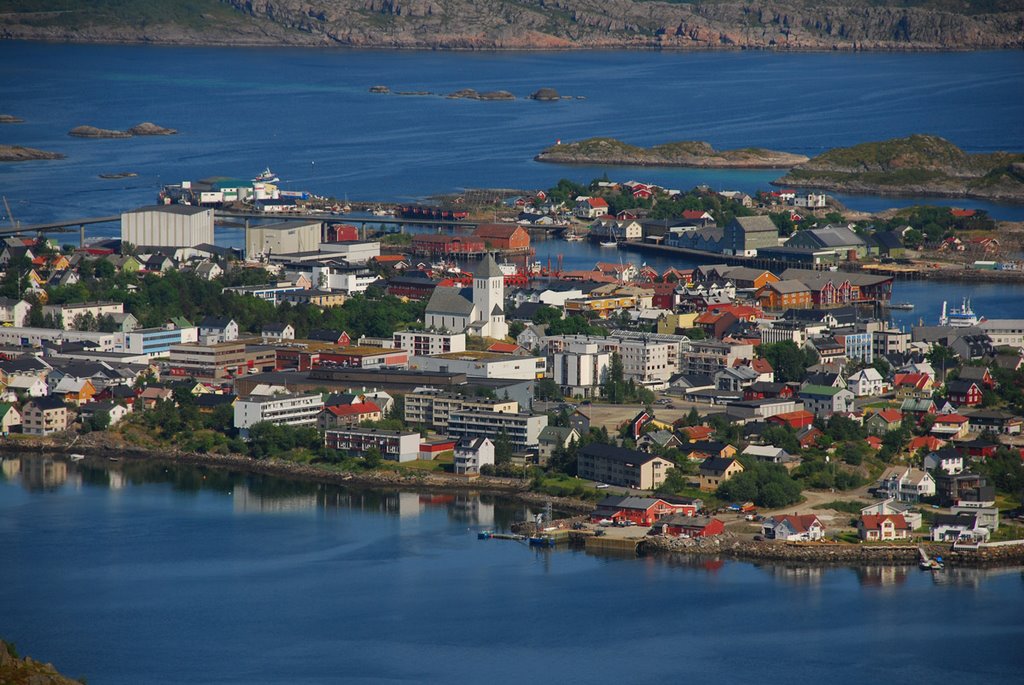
pixel 257 494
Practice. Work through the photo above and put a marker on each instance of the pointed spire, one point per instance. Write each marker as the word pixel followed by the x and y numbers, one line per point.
pixel 488 269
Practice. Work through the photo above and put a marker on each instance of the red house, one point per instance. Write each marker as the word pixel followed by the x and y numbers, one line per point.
pixel 692 526
pixel 964 392
pixel 503 236
pixel 643 511
pixel 337 233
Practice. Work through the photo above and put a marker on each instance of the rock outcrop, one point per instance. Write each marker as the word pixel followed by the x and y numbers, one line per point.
pixel 545 94
pixel 15 670
pixel 471 94
pixel 147 128
pixel 10 119
pixel 17 153
pixel 93 132
pixel 550 24
pixel 915 165
pixel 609 151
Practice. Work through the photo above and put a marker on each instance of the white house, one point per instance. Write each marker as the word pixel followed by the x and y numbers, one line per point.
pixel 33 386
pixel 473 453
pixel 591 207
pixel 905 484
pixel 798 528
pixel 14 312
pixel 865 383
pixel 947 460
pixel 215 329
pixel 277 332
pixel 481 312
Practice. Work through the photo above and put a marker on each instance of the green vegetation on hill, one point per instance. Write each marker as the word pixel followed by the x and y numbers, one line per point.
pixel 915 164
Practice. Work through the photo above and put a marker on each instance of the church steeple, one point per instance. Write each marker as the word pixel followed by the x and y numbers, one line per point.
pixel 489 297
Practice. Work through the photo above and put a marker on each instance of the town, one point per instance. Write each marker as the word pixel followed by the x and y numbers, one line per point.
pixel 766 395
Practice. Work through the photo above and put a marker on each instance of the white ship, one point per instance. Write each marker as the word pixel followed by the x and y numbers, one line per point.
pixel 959 318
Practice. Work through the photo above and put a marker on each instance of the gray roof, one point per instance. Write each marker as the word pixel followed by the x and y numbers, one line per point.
pixel 817 279
pixel 757 224
pixel 447 300
pixel 829 236
pixel 488 269
pixel 187 210
pixel 787 287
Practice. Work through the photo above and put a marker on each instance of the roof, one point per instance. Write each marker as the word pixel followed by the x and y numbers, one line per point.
pixel 968 521
pixel 446 300
pixel 820 390
pixel 756 224
pixel 45 403
pixel 716 464
pixel 215 322
pixel 557 434
pixel 488 269
pixel 874 521
pixel 615 502
pixel 496 230
pixel 358 409
pixel 889 415
pixel 683 521
pixel 830 236
pixel 186 210
pixel 800 523
pixel 619 454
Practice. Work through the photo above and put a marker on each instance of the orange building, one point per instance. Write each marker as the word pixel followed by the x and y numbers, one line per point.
pixel 503 236
pixel 784 295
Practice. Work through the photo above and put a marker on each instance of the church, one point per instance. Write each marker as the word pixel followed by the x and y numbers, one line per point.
pixel 475 311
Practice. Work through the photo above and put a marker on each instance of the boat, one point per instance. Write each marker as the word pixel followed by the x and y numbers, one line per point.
pixel 380 211
pixel 267 176
pixel 484 535
pixel 961 317
pixel 903 306
pixel 76 457
pixel 608 243
pixel 572 236
pixel 542 541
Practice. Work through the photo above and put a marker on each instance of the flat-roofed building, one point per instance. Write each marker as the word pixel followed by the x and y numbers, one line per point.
pixel 431 407
pixel 521 429
pixel 393 445
pixel 284 409
pixel 618 466
pixel 179 226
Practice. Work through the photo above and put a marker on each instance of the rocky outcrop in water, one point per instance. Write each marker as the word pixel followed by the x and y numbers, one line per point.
pixel 471 94
pixel 15 670
pixel 609 151
pixel 93 132
pixel 10 119
pixel 17 153
pixel 147 128
pixel 915 165
pixel 550 24
pixel 545 95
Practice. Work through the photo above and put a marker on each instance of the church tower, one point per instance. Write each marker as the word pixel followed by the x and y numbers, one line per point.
pixel 489 298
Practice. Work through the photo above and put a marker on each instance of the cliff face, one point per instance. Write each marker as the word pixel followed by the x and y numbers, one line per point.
pixel 540 24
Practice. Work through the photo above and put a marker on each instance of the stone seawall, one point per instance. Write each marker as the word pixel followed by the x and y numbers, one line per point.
pixel 831 553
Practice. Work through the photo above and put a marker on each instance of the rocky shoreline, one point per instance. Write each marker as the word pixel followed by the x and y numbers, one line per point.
pixel 146 128
pixel 731 546
pixel 18 153
pixel 693 154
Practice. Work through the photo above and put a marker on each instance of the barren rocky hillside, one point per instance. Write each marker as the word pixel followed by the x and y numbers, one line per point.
pixel 530 24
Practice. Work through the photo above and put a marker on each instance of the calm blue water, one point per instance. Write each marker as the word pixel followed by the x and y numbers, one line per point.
pixel 167 577
pixel 308 115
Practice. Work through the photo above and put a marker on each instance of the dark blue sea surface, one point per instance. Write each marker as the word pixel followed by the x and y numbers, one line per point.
pixel 152 575
pixel 309 116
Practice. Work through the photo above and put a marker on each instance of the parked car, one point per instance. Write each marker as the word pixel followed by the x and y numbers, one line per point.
pixel 602 486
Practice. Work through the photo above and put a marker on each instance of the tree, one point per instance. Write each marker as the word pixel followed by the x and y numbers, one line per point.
pixel 767 485
pixel 372 459
pixel 100 420
pixel 614 386
pixel 502 449
pixel 547 389
pixel 789 360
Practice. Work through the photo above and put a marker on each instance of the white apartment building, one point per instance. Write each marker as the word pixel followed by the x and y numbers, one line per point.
pixel 522 429
pixel 432 407
pixel 581 368
pixel 393 445
pixel 35 337
pixel 646 363
pixel 483 365
pixel 471 454
pixel 426 343
pixel 281 410
pixel 70 313
pixel 1004 331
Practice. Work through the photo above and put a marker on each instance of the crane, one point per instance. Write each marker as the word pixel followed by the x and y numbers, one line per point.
pixel 10 216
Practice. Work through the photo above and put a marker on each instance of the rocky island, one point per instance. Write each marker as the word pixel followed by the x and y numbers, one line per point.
pixel 17 153
pixel 146 128
pixel 915 165
pixel 609 151
pixel 10 119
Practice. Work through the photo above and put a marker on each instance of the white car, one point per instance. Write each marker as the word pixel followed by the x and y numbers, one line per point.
pixel 601 486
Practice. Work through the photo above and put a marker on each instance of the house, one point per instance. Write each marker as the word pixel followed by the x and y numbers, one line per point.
pixel 531 336
pixel 25 385
pixel 808 436
pixel 471 454
pixel 917 386
pixel 958 528
pixel 794 419
pixel 619 466
pixel 580 421
pixel 715 470
pixel 153 394
pixel 964 392
pixel 591 207
pixel 691 526
pixel 891 507
pixel 824 401
pixel 793 528
pixel 929 443
pixel 115 411
pixel 658 440
pixel 882 527
pixel 10 418
pixel 44 415
pixel 341 415
pixel 771 455
pixel 552 438
pixel 643 511
pixel 948 460
pixel 216 329
pixel 503 237
pixel 866 383
pixel 277 331
pixel 951 426
pixel 905 484
pixel 882 421
pixel 75 391
pixel 996 420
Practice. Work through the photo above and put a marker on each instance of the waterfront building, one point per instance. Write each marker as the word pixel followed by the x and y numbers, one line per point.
pixel 44 415
pixel 483 365
pixel 399 446
pixel 168 226
pixel 793 528
pixel 521 429
pixel 905 484
pixel 744 235
pixel 473 453
pixel 432 407
pixel 282 409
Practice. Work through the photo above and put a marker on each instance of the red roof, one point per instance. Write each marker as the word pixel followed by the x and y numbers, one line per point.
pixel 890 415
pixel 503 348
pixel 800 523
pixel 694 214
pixel 699 432
pixel 962 213
pixel 354 409
pixel 915 380
pixel 794 415
pixel 389 258
pixel 874 441
pixel 928 442
pixel 597 202
pixel 954 419
pixel 874 521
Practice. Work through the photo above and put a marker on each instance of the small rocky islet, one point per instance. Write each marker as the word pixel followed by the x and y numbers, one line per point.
pixel 541 94
pixel 146 128
pixel 609 151
pixel 19 153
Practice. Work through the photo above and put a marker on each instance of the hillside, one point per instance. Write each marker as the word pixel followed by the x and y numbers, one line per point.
pixel 26 671
pixel 528 24
pixel 916 165
pixel 600 151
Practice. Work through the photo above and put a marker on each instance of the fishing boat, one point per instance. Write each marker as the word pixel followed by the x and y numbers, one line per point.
pixel 608 243
pixel 961 317
pixel 572 236
pixel 267 176
pixel 76 457
pixel 380 211
pixel 542 541
pixel 902 306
